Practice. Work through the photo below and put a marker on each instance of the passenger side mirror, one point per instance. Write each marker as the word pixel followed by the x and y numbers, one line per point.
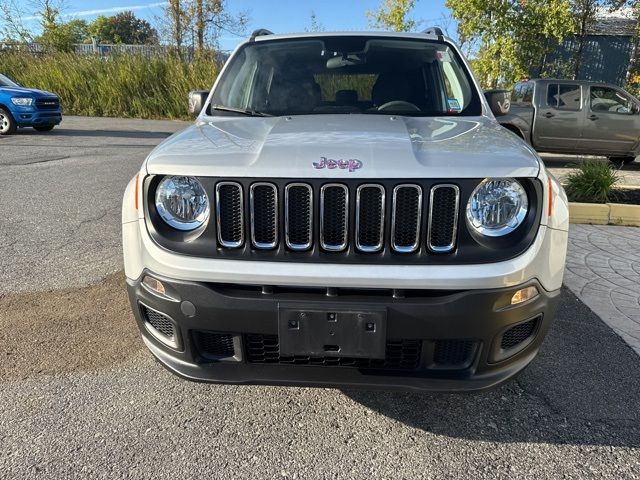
pixel 197 99
pixel 499 101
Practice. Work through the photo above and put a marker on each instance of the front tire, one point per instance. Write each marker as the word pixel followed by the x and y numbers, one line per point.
pixel 8 125
pixel 621 160
pixel 44 128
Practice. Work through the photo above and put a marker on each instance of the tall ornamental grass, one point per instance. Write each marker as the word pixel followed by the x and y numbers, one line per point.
pixel 594 181
pixel 117 86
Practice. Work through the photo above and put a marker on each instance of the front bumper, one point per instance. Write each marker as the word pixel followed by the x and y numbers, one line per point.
pixel 33 117
pixel 441 340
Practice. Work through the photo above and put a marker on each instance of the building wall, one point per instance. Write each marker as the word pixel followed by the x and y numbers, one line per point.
pixel 605 58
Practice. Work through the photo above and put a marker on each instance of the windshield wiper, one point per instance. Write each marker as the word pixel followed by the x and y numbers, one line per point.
pixel 252 113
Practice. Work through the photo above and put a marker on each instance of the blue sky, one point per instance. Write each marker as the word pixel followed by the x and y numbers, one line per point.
pixel 276 15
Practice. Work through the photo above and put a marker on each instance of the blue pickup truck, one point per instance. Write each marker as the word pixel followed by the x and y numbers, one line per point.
pixel 26 107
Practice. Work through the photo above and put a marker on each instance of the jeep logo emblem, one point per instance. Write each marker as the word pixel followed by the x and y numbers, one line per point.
pixel 352 164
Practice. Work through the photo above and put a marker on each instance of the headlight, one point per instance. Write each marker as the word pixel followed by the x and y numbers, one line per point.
pixel 497 207
pixel 182 202
pixel 22 101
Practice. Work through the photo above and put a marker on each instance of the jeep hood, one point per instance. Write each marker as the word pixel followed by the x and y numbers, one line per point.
pixel 383 147
pixel 13 91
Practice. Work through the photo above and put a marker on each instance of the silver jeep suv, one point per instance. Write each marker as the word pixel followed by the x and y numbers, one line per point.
pixel 345 211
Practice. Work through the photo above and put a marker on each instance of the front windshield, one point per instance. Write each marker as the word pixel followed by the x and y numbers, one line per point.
pixel 347 74
pixel 5 82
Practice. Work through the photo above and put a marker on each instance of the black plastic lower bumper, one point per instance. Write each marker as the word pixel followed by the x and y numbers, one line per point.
pixel 433 340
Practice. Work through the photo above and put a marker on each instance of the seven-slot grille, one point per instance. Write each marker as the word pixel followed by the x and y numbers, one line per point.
pixel 375 218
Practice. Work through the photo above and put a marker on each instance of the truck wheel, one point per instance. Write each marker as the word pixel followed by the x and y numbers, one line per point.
pixel 8 125
pixel 515 130
pixel 44 128
pixel 621 160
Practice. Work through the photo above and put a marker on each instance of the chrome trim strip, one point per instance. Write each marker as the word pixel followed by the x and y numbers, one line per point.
pixel 378 246
pixel 298 246
pixel 222 242
pixel 450 247
pixel 414 247
pixel 262 245
pixel 342 246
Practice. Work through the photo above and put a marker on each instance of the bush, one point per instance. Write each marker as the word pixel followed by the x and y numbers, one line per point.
pixel 593 182
pixel 115 86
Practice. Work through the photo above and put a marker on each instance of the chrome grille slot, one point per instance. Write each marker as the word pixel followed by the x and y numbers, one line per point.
pixel 334 216
pixel 230 214
pixel 298 212
pixel 406 218
pixel 370 204
pixel 444 203
pixel 264 215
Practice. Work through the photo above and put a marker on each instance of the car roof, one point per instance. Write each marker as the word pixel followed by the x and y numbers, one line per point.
pixel 282 36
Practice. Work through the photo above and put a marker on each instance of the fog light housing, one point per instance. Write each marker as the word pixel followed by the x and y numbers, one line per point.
pixel 154 285
pixel 524 294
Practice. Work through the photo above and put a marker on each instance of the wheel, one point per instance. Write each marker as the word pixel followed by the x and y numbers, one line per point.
pixel 44 128
pixel 8 125
pixel 515 130
pixel 621 160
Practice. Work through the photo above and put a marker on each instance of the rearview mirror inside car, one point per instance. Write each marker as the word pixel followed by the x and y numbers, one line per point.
pixel 197 99
pixel 499 101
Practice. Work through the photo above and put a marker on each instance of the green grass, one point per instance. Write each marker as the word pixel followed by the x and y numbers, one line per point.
pixel 118 86
pixel 594 181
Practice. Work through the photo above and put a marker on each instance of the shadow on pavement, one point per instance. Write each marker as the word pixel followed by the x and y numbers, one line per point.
pixel 70 132
pixel 582 389
pixel 568 161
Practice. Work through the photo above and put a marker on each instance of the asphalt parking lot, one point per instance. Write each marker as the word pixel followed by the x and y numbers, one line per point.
pixel 81 398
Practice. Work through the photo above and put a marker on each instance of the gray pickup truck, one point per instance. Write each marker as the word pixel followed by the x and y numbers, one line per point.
pixel 574 117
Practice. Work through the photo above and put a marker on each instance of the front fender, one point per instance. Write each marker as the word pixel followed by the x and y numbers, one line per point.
pixel 514 122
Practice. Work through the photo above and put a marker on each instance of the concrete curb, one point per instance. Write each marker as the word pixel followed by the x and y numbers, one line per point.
pixel 604 214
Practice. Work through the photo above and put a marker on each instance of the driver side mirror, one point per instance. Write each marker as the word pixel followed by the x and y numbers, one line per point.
pixel 197 99
pixel 499 101
pixel 635 109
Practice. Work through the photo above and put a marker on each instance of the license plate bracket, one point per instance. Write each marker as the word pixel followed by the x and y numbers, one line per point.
pixel 341 332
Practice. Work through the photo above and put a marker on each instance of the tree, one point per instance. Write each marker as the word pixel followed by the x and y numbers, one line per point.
pixel 510 38
pixel 314 24
pixel 11 26
pixel 211 18
pixel 201 22
pixel 177 16
pixel 125 28
pixel 392 15
pixel 59 35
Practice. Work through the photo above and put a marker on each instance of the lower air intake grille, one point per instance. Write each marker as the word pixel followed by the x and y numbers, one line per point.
pixel 453 353
pixel 214 345
pixel 519 333
pixel 400 354
pixel 161 323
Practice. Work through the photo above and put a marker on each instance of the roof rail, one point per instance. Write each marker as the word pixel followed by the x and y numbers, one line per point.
pixel 260 32
pixel 437 31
